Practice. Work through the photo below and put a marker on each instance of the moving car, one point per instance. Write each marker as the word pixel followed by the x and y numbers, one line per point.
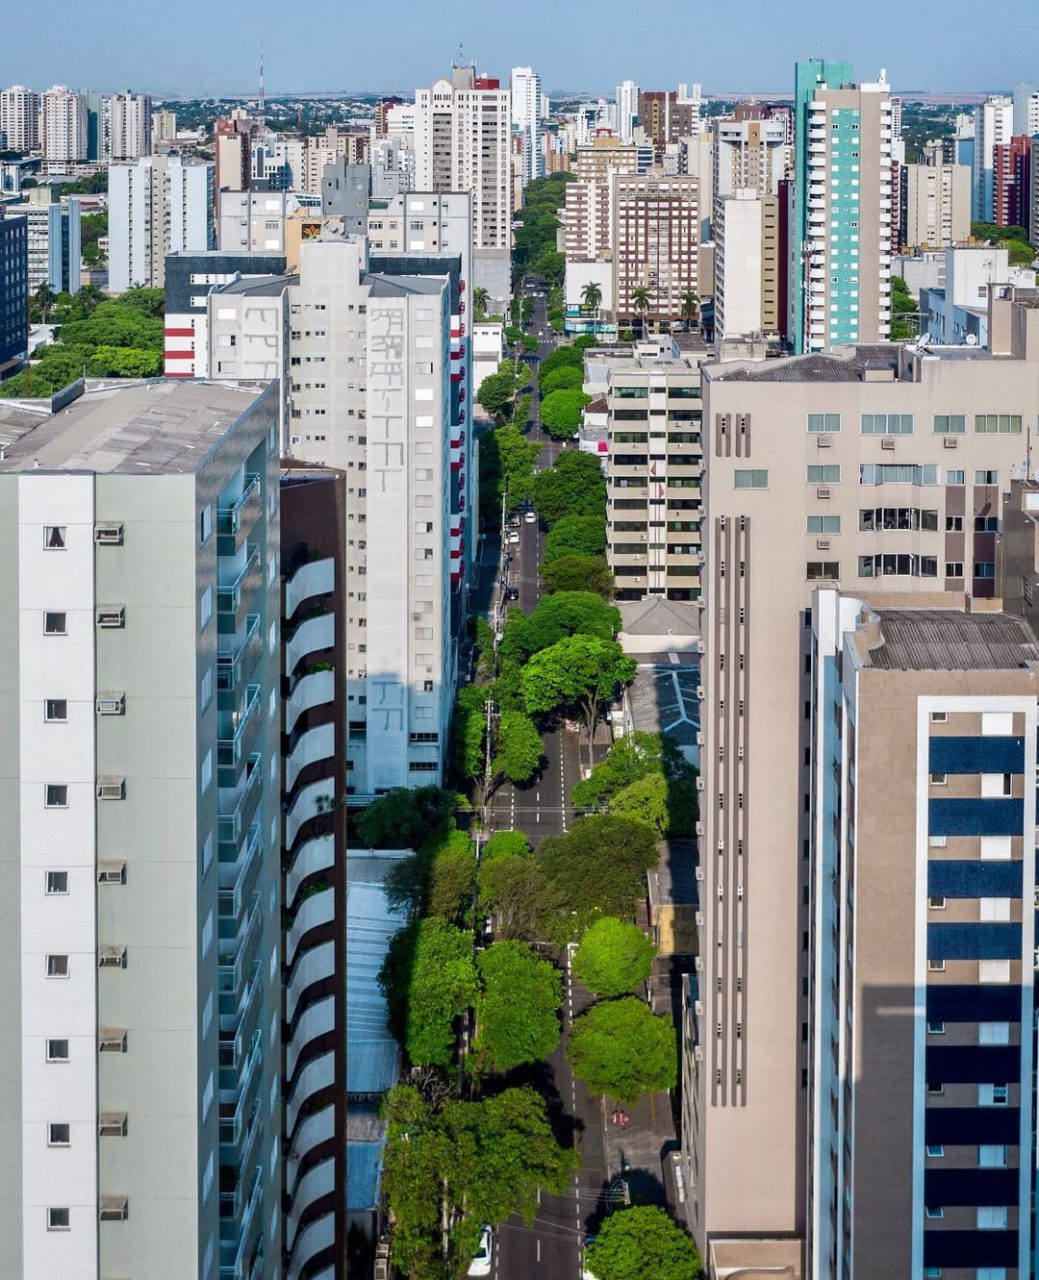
pixel 512 593
pixel 513 535
pixel 481 1264
pixel 531 517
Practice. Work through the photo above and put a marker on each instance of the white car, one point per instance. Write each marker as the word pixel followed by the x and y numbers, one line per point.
pixel 513 537
pixel 481 1264
pixel 531 517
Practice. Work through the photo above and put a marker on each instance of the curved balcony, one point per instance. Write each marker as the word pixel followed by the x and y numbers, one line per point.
pixel 316 578
pixel 314 855
pixel 316 744
pixel 315 1237
pixel 311 636
pixel 312 801
pixel 314 966
pixel 314 690
pixel 317 910
pixel 316 1021
pixel 315 1076
pixel 315 1183
pixel 316 1129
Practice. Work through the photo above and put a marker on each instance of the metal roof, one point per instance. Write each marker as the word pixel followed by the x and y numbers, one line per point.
pixel 951 640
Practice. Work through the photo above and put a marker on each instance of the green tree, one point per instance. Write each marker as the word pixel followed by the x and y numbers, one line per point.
pixel 566 378
pixel 690 304
pixel 575 486
pixel 575 536
pixel 405 817
pixel 632 757
pixel 552 265
pixel 561 412
pixel 591 296
pixel 565 357
pixel 517 1013
pixel 43 298
pixel 518 748
pixel 613 957
pixel 469 731
pixel 514 890
pixel 576 673
pixel 903 311
pixel 480 297
pixel 642 1243
pixel 645 801
pixel 429 979
pixel 452 878
pixel 640 305
pixel 576 573
pixel 124 362
pixel 621 1049
pixel 416 1150
pixel 600 866
pixel 497 394
pixel 506 843
pixel 565 613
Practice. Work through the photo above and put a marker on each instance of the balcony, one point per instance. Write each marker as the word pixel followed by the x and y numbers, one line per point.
pixel 242 587
pixel 315 1237
pixel 312 856
pixel 237 802
pixel 315 1076
pixel 317 1128
pixel 237 1253
pixel 316 1021
pixel 311 801
pixel 231 743
pixel 313 1186
pixel 315 911
pixel 234 958
pixel 236 878
pixel 314 690
pixel 234 1046
pixel 310 747
pixel 311 636
pixel 236 521
pixel 237 655
pixel 235 1102
pixel 315 578
pixel 313 966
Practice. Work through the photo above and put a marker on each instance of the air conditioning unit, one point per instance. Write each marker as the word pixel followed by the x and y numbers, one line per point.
pixel 111 956
pixel 822 493
pixel 698 1050
pixel 113 1208
pixel 887 443
pixel 699 738
pixel 111 1124
pixel 110 789
pixel 111 873
pixel 950 442
pixel 822 544
pixel 824 442
pixel 111 1040
pixel 110 615
pixel 698 964
pixel 699 828
pixel 110 704
pixel 699 873
pixel 699 919
pixel 699 782
pixel 698 1008
pixel 109 534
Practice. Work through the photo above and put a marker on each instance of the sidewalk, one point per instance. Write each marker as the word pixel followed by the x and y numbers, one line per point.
pixel 639 1150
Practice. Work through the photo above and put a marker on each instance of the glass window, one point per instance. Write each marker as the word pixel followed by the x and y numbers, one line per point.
pixel 58 1219
pixel 955 477
pixel 57 882
pixel 57 1051
pixel 824 422
pixel 55 710
pixel 824 475
pixel 57 966
pixel 750 479
pixel 59 1135
pixel 984 569
pixel 56 795
pixel 949 424
pixel 205 524
pixel 54 624
pixel 205 608
pixel 887 424
pixel 824 524
pixel 1003 424
pixel 54 537
pixel 822 569
pixel 982 476
pixel 954 568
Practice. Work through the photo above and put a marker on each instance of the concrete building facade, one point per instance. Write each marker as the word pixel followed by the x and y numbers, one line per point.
pixel 747 266
pixel 20 118
pixel 14 293
pixel 55 239
pixel 993 125
pixel 159 205
pixel 935 205
pixel 131 126
pixel 63 127
pixel 527 117
pixel 656 234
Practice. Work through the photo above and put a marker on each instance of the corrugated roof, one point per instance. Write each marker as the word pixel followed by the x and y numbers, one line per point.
pixel 848 366
pixel 371 1052
pixel 951 640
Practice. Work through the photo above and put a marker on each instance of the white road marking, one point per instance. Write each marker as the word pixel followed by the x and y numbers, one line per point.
pixel 539 1248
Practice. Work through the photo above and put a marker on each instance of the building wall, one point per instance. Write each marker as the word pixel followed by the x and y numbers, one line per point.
pixel 156 206
pixel 20 117
pixel 935 204
pixel 14 291
pixel 746 295
pixel 656 230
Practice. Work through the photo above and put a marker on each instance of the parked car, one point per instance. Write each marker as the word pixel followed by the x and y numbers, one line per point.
pixel 531 517
pixel 513 536
pixel 481 1264
pixel 512 593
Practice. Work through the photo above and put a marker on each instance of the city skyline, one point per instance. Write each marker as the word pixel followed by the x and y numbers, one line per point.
pixel 79 54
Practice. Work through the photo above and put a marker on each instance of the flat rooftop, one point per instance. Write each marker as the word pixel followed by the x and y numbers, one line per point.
pixel 259 286
pixel 879 362
pixel 156 426
pixel 951 640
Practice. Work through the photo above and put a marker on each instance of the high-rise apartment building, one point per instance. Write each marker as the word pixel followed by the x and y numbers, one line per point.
pixel 627 109
pixel 63 127
pixel 1026 109
pixel 840 243
pixel 879 463
pixel 164 126
pixel 749 155
pixel 55 238
pixel 158 205
pixel 527 117
pixel 462 143
pixel 232 148
pixel 935 204
pixel 99 126
pixel 14 292
pixel 653 475
pixel 656 239
pixel 587 214
pixel 664 118
pixel 20 117
pixel 141 767
pixel 131 117
pixel 1012 183
pixel 923 744
pixel 993 125
pixel 747 267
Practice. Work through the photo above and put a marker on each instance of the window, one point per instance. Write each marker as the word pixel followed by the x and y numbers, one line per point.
pixel 57 882
pixel 58 1219
pixel 57 1051
pixel 824 475
pixel 954 568
pixel 939 779
pixel 59 1135
pixel 824 524
pixel 939 717
pixel 822 569
pixel 936 966
pixel 57 966
pixel 1004 424
pixel 934 1152
pixel 54 537
pixel 897 473
pixel 949 424
pixel 933 1273
pixel 955 477
pixel 986 524
pixel 992 1157
pixel 205 689
pixel 984 569
pixel 750 479
pixel 936 903
pixel 954 524
pixel 986 477
pixel 887 424
pixel 55 795
pixel 205 524
pixel 205 608
pixel 824 422
pixel 936 1028
pixel 55 710
pixel 54 624
pixel 206 772
pixel 992 1217
pixel 934 1211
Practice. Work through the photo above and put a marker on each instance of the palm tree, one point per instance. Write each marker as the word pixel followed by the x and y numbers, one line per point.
pixel 690 307
pixel 44 298
pixel 480 296
pixel 591 297
pixel 640 302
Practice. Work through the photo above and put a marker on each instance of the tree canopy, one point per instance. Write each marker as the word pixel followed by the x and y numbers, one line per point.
pixel 507 460
pixel 579 573
pixel 575 486
pixel 576 673
pixel 621 1049
pixel 642 1243
pixel 565 378
pixel 565 613
pixel 404 818
pixel 565 357
pixel 517 1013
pixel 645 777
pixel 503 843
pixel 428 978
pixel 613 957
pixel 519 749
pixel 524 902
pixel 561 412
pixel 600 865
pixel 575 536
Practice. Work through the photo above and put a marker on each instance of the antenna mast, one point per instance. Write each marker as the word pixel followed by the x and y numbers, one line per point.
pixel 262 111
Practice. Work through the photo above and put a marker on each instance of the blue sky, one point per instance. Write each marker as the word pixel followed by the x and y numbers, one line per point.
pixel 195 47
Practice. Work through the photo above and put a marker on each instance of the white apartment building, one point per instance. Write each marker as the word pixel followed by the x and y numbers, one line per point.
pixel 371 395
pixel 159 205
pixel 252 221
pixel 20 117
pixel 63 127
pixel 749 155
pixel 746 265
pixel 462 143
pixel 527 116
pixel 935 204
pixel 1026 110
pixel 131 126
pixel 627 109
pixel 993 125
pixel 141 853
pixel 164 126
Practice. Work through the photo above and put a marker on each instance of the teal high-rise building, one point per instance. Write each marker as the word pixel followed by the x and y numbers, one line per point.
pixel 840 220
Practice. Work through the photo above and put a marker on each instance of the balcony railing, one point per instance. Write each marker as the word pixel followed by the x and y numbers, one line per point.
pixel 233 955
pixel 237 876
pixel 229 750
pixel 234 802
pixel 233 1047
pixel 229 597
pixel 236 661
pixel 237 1243
pixel 234 1102
pixel 241 517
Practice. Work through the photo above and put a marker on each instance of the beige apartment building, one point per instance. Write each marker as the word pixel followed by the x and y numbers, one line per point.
pixel 875 462
pixel 935 205
pixel 587 210
pixel 747 275
pixel 749 155
pixel 656 238
pixel 653 470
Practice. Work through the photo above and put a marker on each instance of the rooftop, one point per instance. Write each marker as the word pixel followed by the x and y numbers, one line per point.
pixel 663 698
pixel 952 640
pixel 393 286
pixel 271 286
pixel 847 365
pixel 150 427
